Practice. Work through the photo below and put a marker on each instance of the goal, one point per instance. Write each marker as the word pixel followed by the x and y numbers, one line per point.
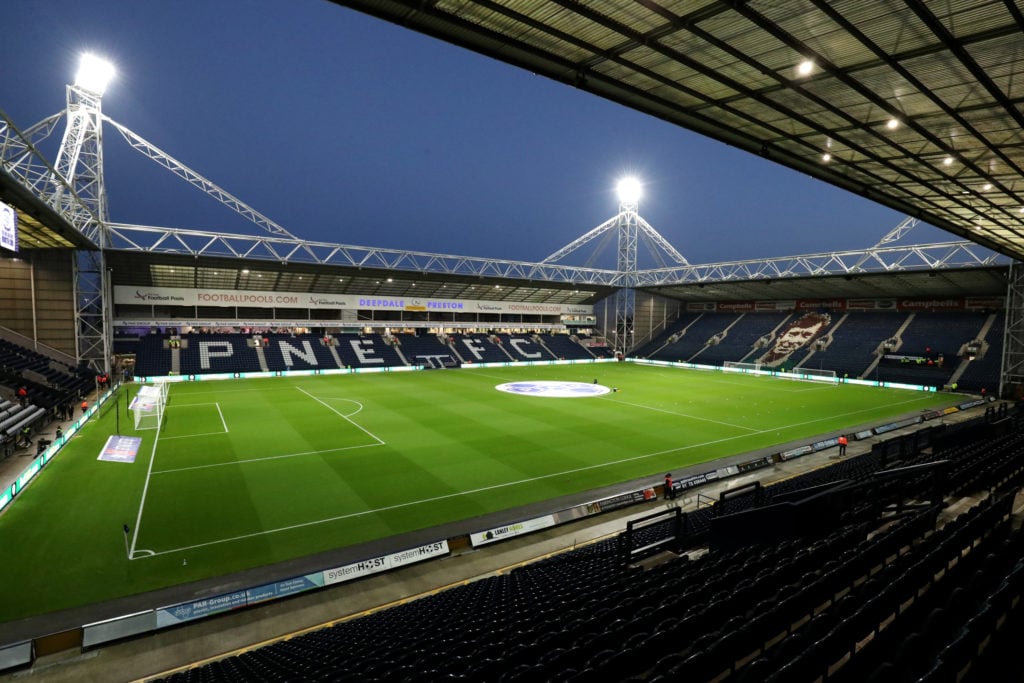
pixel 730 366
pixel 148 405
pixel 814 375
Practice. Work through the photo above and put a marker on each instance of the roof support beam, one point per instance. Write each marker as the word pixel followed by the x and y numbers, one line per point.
pixel 940 31
pixel 870 96
pixel 894 64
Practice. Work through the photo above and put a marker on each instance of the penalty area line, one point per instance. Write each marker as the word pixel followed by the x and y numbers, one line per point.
pixel 269 457
pixel 222 420
pixel 334 410
pixel 347 400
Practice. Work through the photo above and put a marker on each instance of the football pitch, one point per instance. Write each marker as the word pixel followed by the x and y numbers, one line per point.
pixel 245 473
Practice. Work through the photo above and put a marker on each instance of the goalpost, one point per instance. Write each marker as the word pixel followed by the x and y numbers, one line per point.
pixel 814 375
pixel 798 374
pixel 730 366
pixel 148 405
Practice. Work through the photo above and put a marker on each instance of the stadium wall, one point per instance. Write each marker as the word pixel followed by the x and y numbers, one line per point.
pixel 38 301
pixel 651 315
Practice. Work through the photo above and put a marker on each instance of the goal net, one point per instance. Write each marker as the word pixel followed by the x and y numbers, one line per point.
pixel 814 375
pixel 730 366
pixel 148 405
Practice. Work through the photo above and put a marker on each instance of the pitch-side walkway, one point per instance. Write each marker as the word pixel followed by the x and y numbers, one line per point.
pixel 13 465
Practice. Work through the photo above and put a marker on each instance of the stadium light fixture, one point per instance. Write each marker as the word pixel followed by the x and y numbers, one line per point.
pixel 94 74
pixel 629 190
pixel 805 67
pixel 892 124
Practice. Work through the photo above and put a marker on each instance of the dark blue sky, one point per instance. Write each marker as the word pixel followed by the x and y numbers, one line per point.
pixel 344 128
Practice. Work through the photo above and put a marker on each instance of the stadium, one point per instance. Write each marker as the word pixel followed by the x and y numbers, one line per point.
pixel 253 456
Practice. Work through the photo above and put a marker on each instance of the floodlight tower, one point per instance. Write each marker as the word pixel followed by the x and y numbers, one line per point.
pixel 80 158
pixel 80 164
pixel 631 230
pixel 629 191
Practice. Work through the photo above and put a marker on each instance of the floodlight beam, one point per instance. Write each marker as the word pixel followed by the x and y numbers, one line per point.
pixel 94 74
pixel 629 190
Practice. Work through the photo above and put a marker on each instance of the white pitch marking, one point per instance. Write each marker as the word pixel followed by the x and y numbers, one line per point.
pixel 269 457
pixel 222 421
pixel 344 417
pixel 191 436
pixel 145 488
pixel 507 484
pixel 347 400
pixel 671 412
pixel 449 495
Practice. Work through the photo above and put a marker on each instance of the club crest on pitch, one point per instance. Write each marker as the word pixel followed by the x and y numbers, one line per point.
pixel 549 389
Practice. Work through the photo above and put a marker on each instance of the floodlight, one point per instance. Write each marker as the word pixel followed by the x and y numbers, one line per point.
pixel 629 190
pixel 94 73
pixel 805 67
pixel 826 157
pixel 892 124
pixel 948 161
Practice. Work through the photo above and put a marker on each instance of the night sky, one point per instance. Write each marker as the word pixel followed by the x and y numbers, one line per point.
pixel 344 128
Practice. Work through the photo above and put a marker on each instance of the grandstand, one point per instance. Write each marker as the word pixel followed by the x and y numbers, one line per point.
pixel 779 562
pixel 912 348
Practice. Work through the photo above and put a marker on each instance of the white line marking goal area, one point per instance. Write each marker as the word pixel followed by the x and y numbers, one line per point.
pixel 189 420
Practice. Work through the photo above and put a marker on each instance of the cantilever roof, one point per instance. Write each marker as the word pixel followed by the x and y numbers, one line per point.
pixel 209 272
pixel 950 73
pixel 39 226
pixel 920 284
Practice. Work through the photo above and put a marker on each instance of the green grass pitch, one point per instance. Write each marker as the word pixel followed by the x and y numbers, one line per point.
pixel 246 473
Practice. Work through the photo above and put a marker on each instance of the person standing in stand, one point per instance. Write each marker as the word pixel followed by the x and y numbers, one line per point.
pixel 842 444
pixel 670 493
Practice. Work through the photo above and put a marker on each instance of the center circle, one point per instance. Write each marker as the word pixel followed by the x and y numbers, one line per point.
pixel 547 389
